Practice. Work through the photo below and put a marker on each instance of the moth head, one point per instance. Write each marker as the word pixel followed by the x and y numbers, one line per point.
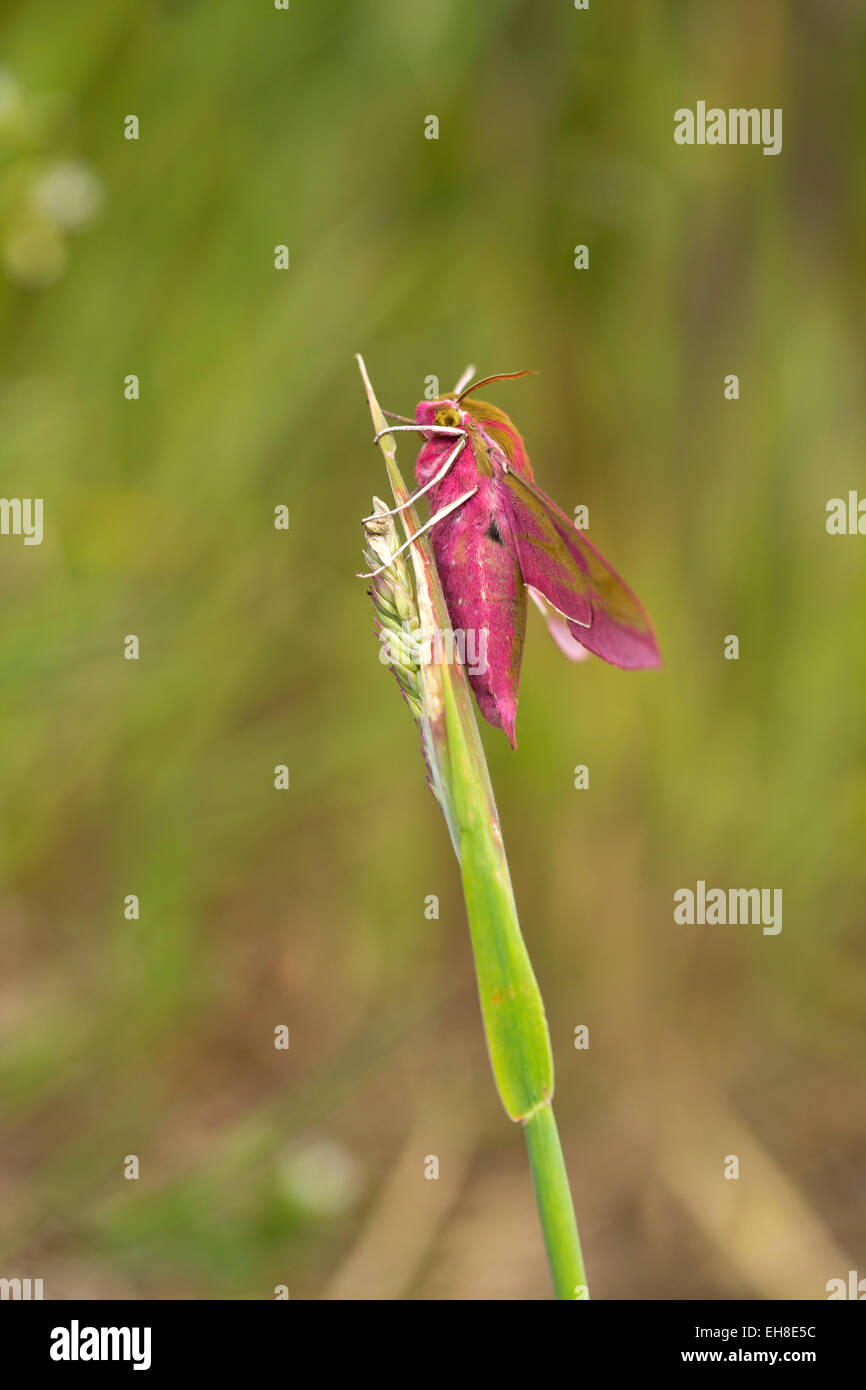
pixel 448 415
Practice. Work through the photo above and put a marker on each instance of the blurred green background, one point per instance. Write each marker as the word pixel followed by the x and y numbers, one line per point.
pixel 305 907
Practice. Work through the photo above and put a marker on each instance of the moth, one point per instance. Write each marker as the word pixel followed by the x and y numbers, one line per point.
pixel 498 540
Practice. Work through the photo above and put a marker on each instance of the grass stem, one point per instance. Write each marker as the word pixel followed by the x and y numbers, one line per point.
pixel 515 1026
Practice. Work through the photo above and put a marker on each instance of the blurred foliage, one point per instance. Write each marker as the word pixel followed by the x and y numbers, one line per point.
pixel 156 257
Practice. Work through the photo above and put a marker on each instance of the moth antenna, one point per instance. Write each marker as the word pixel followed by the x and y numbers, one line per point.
pixel 500 376
pixel 465 378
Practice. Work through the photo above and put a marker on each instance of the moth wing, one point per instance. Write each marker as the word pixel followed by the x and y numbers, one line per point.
pixel 559 629
pixel 546 563
pixel 600 610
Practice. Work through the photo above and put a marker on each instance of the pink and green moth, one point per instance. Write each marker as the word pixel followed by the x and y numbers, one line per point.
pixel 498 539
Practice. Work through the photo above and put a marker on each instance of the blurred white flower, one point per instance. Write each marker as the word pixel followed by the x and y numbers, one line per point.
pixel 70 194
pixel 323 1177
pixel 44 197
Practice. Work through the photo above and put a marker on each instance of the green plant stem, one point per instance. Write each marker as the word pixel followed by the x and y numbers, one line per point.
pixel 515 1026
pixel 555 1209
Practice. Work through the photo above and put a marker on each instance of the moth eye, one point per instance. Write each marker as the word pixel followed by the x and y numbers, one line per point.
pixel 448 416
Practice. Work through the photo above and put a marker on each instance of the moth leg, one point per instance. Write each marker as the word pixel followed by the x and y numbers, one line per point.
pixel 452 506
pixel 431 429
pixel 461 444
